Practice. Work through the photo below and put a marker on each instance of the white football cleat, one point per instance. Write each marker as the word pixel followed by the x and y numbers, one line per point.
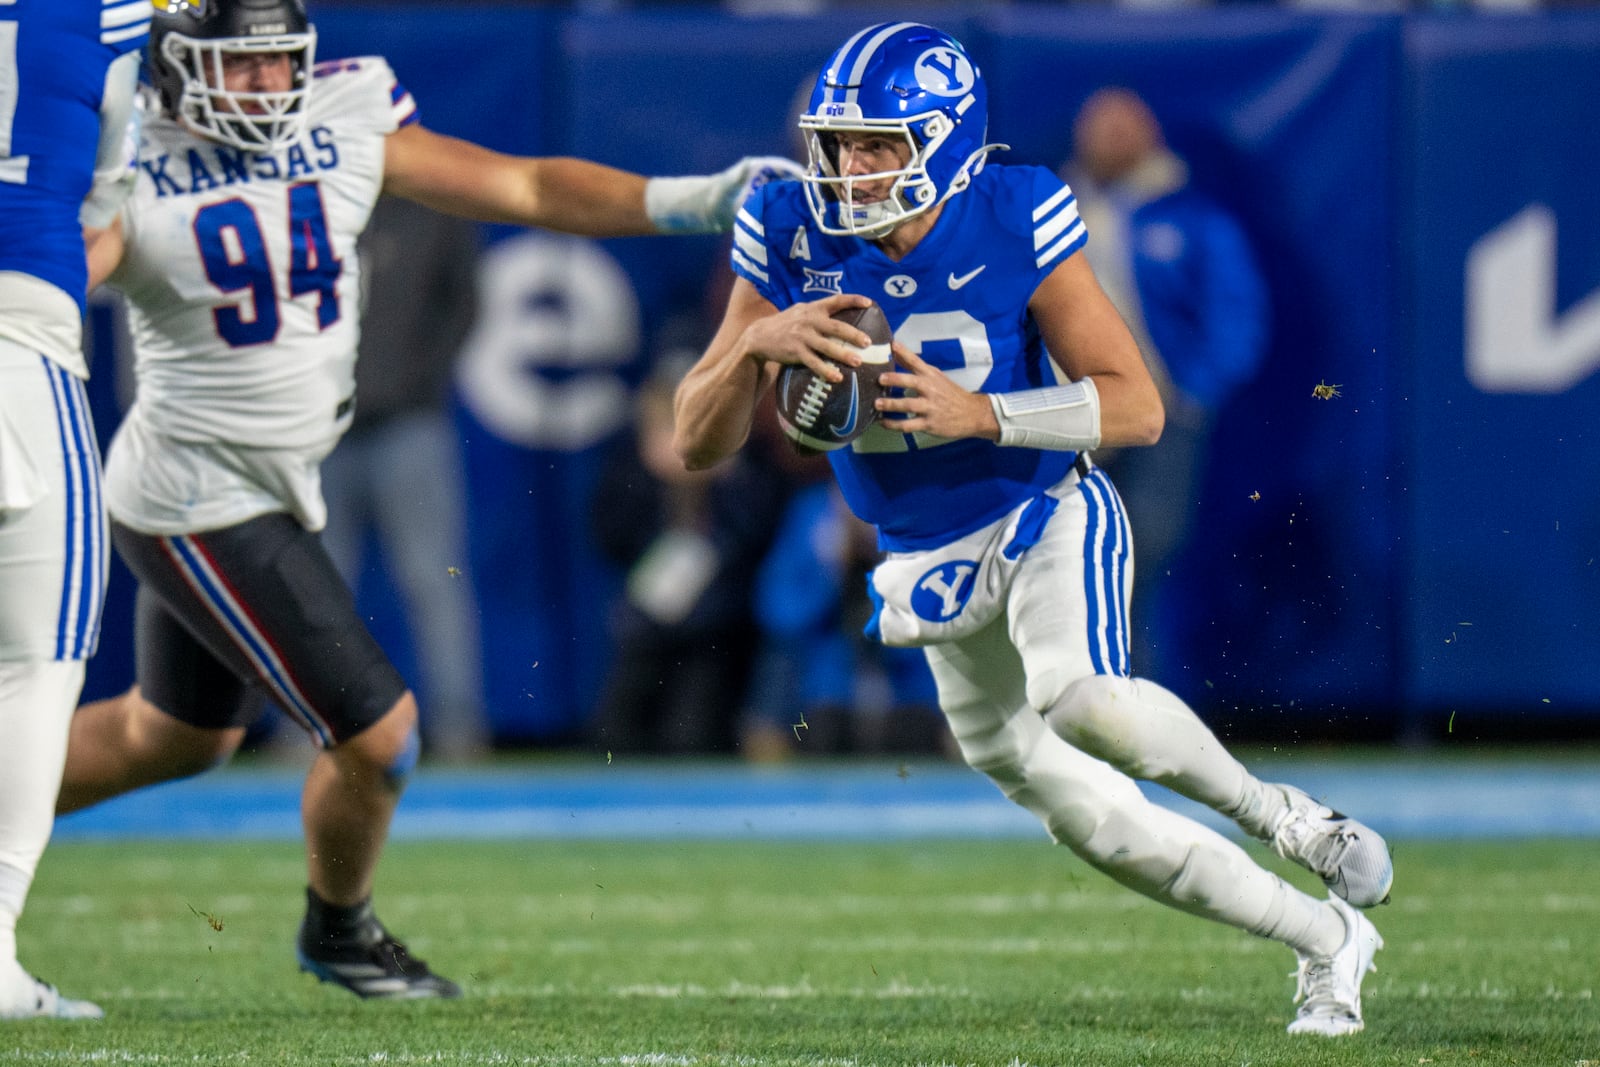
pixel 1328 988
pixel 1350 857
pixel 25 997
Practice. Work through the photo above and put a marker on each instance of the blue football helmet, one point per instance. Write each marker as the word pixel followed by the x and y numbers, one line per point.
pixel 895 78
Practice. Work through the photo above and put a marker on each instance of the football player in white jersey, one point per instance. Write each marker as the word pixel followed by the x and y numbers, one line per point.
pixel 67 78
pixel 1008 557
pixel 237 254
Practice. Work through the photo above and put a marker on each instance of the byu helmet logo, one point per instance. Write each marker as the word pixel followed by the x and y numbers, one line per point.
pixel 940 594
pixel 944 71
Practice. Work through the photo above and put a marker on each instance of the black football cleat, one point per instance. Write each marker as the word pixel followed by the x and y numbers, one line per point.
pixel 369 962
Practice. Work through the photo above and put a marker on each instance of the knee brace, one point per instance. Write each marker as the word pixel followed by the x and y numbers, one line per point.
pixel 398 772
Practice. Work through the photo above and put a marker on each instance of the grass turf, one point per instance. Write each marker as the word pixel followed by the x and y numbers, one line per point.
pixel 757 953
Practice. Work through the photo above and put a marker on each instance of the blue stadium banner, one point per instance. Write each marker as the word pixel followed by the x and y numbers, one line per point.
pixel 1419 189
pixel 1501 444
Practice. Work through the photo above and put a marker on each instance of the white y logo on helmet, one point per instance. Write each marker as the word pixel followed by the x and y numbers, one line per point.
pixel 944 71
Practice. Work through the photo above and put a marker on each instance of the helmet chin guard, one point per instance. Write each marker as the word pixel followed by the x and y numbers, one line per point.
pixel 189 40
pixel 895 79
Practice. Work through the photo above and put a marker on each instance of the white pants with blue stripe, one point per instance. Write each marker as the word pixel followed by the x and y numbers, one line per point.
pixel 1065 615
pixel 53 557
pixel 53 538
pixel 1058 653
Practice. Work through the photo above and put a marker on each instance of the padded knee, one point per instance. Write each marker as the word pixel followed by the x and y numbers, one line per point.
pixel 389 748
pixel 1135 725
pixel 1071 793
pixel 1100 714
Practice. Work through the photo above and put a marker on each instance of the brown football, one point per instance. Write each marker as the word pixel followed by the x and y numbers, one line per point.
pixel 822 415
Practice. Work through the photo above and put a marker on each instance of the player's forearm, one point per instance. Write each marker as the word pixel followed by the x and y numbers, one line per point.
pixel 461 178
pixel 715 406
pixel 589 199
pixel 1131 412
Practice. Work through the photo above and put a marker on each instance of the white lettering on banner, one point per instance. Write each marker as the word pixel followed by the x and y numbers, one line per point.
pixel 1515 343
pixel 550 301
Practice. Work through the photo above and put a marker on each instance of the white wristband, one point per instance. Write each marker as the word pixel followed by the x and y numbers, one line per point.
pixel 1061 418
pixel 705 203
pixel 682 205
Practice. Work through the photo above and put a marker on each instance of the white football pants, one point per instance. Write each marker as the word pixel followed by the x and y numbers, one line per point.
pixel 1038 658
pixel 53 562
pixel 36 705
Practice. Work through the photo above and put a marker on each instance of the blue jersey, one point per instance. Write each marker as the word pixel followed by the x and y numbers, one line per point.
pixel 960 300
pixel 54 58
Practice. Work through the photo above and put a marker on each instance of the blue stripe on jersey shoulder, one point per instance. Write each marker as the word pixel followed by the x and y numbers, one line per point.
pixel 125 23
pixel 327 68
pixel 1058 230
pixel 770 218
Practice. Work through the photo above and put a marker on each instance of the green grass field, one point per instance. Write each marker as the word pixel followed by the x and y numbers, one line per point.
pixel 756 953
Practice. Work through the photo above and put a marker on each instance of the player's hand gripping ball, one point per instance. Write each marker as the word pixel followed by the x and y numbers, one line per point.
pixel 820 415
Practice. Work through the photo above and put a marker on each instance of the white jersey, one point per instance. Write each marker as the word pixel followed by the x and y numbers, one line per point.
pixel 241 270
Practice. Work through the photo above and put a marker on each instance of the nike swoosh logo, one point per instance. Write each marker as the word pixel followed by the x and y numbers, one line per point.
pixel 849 423
pixel 957 282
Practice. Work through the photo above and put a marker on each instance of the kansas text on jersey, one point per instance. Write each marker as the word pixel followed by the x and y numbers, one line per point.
pixel 241 270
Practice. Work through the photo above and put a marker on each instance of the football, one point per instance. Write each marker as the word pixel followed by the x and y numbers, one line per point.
pixel 821 415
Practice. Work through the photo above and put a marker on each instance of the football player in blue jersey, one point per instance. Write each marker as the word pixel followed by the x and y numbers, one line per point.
pixel 236 250
pixel 67 77
pixel 1008 556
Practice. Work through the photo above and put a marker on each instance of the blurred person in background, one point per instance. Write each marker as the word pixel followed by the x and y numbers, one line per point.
pixel 1179 269
pixel 68 131
pixel 396 481
pixel 688 543
pixel 825 688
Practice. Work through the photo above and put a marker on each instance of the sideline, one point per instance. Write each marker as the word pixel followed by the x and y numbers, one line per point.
pixel 832 801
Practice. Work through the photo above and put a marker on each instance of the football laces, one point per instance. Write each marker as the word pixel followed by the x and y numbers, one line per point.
pixel 811 402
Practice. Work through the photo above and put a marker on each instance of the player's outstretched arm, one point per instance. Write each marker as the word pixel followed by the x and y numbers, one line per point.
pixel 716 400
pixel 1088 339
pixel 561 193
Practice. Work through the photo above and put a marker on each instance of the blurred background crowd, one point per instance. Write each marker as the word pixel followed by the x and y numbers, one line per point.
pixel 1332 225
